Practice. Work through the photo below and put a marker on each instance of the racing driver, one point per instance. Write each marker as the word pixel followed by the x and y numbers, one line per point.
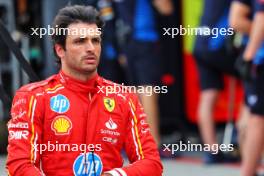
pixel 54 119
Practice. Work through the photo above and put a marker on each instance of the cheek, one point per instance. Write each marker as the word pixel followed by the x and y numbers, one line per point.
pixel 74 52
pixel 99 50
pixel 77 49
pixel 71 54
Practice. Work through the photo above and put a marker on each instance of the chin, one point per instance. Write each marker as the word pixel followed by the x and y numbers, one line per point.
pixel 89 70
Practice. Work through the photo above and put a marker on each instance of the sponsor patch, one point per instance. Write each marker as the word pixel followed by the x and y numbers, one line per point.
pixel 18 134
pixel 19 102
pixel 109 104
pixel 110 140
pixel 145 130
pixel 87 164
pixel 114 133
pixel 17 115
pixel 61 125
pixel 110 124
pixel 143 122
pixel 17 125
pixel 59 103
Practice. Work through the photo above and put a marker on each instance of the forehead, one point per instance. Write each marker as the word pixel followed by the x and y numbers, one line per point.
pixel 83 30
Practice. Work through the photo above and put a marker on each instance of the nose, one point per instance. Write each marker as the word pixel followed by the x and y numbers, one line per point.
pixel 90 46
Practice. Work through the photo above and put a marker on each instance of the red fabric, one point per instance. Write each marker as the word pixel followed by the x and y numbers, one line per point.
pixel 83 121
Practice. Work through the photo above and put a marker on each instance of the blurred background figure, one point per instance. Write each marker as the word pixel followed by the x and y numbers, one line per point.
pixel 247 17
pixel 240 21
pixel 215 56
pixel 142 51
pixel 111 64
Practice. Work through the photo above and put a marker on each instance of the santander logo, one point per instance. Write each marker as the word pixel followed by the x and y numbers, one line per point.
pixel 110 124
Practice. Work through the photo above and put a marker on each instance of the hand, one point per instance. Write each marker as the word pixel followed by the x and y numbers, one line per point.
pixel 106 174
pixel 244 68
pixel 164 7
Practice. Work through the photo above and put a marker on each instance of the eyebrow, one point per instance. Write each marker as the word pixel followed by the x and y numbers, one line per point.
pixel 85 38
pixel 96 37
pixel 79 38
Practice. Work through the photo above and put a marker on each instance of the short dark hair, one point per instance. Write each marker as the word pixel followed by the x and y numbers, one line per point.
pixel 73 14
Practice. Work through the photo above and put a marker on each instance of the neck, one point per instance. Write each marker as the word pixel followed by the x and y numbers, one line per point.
pixel 78 75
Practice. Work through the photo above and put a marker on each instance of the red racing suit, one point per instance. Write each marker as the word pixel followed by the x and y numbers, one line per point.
pixel 63 127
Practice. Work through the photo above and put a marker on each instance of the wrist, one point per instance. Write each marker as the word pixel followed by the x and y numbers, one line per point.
pixel 107 174
pixel 247 56
pixel 115 172
pixel 247 59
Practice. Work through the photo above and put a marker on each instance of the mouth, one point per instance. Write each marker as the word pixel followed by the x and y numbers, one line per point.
pixel 91 59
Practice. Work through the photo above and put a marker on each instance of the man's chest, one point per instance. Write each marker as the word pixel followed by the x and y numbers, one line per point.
pixel 76 118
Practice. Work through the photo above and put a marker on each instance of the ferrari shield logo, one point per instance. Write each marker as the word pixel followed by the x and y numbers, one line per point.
pixel 109 104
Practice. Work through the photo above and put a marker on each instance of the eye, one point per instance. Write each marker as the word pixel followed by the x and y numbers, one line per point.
pixel 96 40
pixel 80 41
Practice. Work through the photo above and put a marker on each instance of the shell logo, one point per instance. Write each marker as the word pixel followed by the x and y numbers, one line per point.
pixel 61 125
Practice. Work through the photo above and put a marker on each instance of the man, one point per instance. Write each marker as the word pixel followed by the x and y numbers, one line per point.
pixel 68 124
pixel 142 51
pixel 213 61
pixel 251 69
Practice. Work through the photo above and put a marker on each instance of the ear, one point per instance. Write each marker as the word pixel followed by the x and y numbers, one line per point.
pixel 59 50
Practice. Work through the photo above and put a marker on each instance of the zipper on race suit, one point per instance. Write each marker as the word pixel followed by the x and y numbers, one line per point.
pixel 91 99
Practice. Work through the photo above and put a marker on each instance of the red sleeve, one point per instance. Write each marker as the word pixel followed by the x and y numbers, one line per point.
pixel 139 145
pixel 24 133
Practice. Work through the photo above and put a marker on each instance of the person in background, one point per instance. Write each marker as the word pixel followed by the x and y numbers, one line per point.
pixel 247 17
pixel 214 59
pixel 141 49
pixel 110 64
